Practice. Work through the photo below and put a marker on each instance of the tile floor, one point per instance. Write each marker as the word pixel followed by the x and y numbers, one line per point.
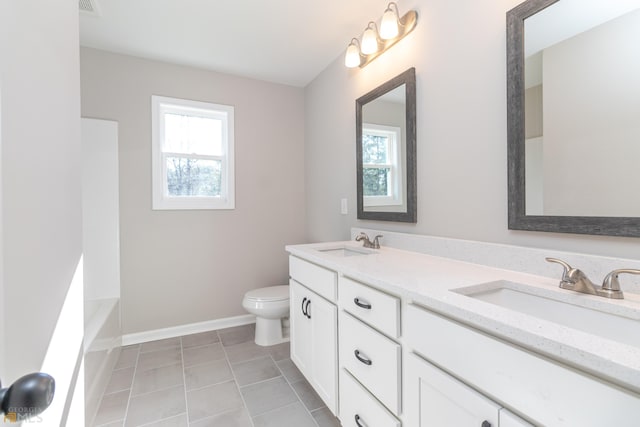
pixel 219 378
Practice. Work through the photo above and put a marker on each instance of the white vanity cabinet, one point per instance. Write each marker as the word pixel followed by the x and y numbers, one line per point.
pixel 547 392
pixel 385 344
pixel 434 398
pixel 314 327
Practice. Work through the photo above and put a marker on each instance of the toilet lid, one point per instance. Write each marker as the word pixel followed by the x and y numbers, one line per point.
pixel 271 293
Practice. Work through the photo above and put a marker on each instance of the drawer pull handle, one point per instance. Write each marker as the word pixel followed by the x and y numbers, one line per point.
pixel 364 360
pixel 486 424
pixel 304 300
pixel 361 304
pixel 359 422
pixel 306 309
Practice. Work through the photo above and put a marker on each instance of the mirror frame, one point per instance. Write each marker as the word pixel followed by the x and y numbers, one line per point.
pixel 408 78
pixel 518 219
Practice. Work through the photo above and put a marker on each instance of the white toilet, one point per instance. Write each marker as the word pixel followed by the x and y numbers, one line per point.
pixel 270 305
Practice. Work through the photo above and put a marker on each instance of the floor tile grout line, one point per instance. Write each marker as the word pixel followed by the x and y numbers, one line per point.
pixel 261 381
pixel 135 369
pixel 296 393
pixel 146 393
pixel 285 406
pixel 248 360
pixel 227 411
pixel 210 385
pixel 114 392
pixel 172 347
pixel 157 367
pixel 270 353
pixel 235 381
pixel 184 380
pixel 93 421
pixel 266 356
pixel 203 363
pixel 150 423
pixel 202 345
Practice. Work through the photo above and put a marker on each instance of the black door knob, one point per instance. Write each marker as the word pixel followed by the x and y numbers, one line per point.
pixel 27 396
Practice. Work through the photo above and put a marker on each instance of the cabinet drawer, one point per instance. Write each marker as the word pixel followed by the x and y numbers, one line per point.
pixel 380 310
pixel 318 279
pixel 357 403
pixel 371 358
pixel 543 390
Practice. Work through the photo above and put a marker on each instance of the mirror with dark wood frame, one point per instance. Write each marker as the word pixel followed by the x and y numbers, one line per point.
pixel 573 95
pixel 386 151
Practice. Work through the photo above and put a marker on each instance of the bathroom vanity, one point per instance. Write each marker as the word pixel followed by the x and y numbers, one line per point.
pixel 390 337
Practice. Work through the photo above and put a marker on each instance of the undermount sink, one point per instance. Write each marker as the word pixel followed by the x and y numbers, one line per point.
pixel 603 318
pixel 344 251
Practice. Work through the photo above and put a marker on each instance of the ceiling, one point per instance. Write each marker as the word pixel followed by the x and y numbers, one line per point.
pixel 281 41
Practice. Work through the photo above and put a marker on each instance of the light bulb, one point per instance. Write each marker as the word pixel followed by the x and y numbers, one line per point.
pixel 352 57
pixel 389 24
pixel 370 40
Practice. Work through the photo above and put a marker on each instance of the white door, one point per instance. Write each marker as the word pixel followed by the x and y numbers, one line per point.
pixel 434 398
pixel 41 298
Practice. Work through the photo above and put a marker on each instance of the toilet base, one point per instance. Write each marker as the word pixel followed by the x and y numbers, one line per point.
pixel 269 331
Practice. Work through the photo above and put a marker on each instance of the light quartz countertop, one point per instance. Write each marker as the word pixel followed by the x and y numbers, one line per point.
pixel 428 281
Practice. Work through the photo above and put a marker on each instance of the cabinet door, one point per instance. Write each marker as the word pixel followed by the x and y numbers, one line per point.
pixel 324 332
pixel 434 398
pixel 300 328
pixel 314 337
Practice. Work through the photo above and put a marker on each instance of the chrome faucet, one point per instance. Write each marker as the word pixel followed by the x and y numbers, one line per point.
pixel 575 280
pixel 611 284
pixel 368 243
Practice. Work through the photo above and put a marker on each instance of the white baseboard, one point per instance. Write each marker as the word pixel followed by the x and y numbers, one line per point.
pixel 192 328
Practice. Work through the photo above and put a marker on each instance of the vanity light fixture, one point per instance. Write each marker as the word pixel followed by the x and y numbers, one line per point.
pixel 389 24
pixel 370 39
pixel 374 43
pixel 353 57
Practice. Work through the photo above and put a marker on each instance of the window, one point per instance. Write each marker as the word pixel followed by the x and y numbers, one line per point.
pixel 192 154
pixel 381 171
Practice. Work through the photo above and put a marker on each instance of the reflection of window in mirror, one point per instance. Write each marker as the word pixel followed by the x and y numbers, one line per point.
pixel 381 168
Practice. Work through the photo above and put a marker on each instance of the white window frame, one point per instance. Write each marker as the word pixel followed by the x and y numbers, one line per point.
pixel 160 105
pixel 393 135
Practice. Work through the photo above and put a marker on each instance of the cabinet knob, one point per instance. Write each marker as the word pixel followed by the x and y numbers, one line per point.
pixel 361 304
pixel 359 421
pixel 362 359
pixel 486 423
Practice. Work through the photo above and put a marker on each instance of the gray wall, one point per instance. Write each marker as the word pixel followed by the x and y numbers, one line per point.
pixel 458 49
pixel 41 212
pixel 179 267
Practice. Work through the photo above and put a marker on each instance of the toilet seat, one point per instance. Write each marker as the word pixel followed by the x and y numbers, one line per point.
pixel 269 294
